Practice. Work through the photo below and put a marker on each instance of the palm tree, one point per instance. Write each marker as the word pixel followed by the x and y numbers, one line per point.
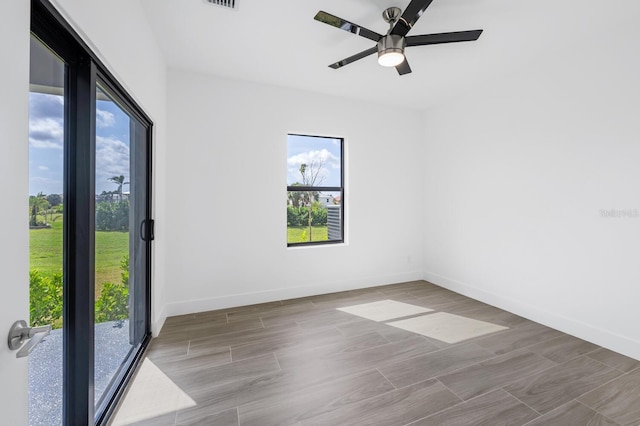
pixel 119 180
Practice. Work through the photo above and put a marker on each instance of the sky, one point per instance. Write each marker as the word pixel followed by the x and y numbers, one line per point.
pixel 317 150
pixel 46 143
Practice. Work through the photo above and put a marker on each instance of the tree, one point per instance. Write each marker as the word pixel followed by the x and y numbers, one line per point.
pixel 311 177
pixel 54 200
pixel 119 180
pixel 38 204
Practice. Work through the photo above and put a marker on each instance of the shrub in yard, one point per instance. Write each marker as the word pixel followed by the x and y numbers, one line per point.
pixel 318 216
pixel 299 216
pixel 293 217
pixel 112 216
pixel 113 303
pixel 45 299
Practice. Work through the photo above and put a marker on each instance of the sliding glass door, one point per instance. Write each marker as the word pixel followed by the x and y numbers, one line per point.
pixel 121 187
pixel 90 227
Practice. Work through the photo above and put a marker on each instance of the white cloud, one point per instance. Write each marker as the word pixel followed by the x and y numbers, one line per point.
pixel 104 118
pixel 34 143
pixel 322 158
pixel 45 133
pixel 43 168
pixel 112 159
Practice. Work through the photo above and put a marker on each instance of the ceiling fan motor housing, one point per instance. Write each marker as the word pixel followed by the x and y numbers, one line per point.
pixel 391 43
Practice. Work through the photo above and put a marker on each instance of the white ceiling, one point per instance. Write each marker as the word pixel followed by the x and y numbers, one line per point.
pixel 278 42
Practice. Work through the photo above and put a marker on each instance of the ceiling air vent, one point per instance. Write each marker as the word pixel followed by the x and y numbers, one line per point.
pixel 228 4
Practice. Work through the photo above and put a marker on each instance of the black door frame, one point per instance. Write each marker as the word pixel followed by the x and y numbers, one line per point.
pixel 83 70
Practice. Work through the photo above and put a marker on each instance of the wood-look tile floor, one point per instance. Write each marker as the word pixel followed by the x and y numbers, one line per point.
pixel 304 362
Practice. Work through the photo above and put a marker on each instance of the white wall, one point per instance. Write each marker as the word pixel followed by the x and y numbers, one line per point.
pixel 226 231
pixel 119 34
pixel 515 177
pixel 14 244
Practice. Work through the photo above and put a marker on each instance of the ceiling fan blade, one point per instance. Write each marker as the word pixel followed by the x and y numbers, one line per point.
pixel 410 16
pixel 453 37
pixel 404 67
pixel 354 58
pixel 334 21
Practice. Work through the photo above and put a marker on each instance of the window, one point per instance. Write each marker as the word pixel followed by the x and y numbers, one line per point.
pixel 315 190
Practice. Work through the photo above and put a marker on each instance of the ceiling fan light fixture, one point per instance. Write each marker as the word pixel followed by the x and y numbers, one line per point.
pixel 390 58
pixel 391 50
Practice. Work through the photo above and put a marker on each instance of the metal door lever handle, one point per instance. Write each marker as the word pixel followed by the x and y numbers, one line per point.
pixel 20 332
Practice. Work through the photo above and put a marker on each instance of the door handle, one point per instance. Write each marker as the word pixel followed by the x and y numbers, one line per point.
pixel 20 332
pixel 147 230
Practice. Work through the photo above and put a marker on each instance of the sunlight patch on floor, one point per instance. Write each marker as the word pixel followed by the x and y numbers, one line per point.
pixel 446 327
pixel 384 310
pixel 152 394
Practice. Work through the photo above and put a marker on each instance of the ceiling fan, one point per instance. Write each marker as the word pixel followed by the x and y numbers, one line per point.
pixel 390 47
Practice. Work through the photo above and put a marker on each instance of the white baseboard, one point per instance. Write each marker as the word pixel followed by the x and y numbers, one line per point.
pixel 158 322
pixel 233 300
pixel 588 332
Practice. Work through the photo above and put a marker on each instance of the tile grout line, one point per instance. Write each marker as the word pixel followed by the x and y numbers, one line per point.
pixel 383 393
pixel 612 367
pixel 590 352
pixel 622 373
pixel 576 398
pixel 527 405
pixel 594 410
pixel 462 402
pixel 603 384
pixel 277 361
pixel 633 369
pixel 457 369
pixel 451 390
pixel 487 360
pixel 385 377
pixel 452 371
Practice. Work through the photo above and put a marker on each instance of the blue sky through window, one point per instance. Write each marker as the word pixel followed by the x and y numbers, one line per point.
pixel 321 151
pixel 46 134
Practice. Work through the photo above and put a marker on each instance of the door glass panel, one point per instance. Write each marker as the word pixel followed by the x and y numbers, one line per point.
pixel 46 201
pixel 120 256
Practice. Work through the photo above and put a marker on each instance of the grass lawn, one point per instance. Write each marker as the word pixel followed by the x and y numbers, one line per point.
pixel 45 252
pixel 300 234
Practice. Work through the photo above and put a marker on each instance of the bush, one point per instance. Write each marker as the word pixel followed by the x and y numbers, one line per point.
pixel 45 298
pixel 318 217
pixel 299 216
pixel 113 303
pixel 112 216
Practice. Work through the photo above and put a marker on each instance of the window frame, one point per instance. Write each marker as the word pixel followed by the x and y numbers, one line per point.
pixel 340 189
